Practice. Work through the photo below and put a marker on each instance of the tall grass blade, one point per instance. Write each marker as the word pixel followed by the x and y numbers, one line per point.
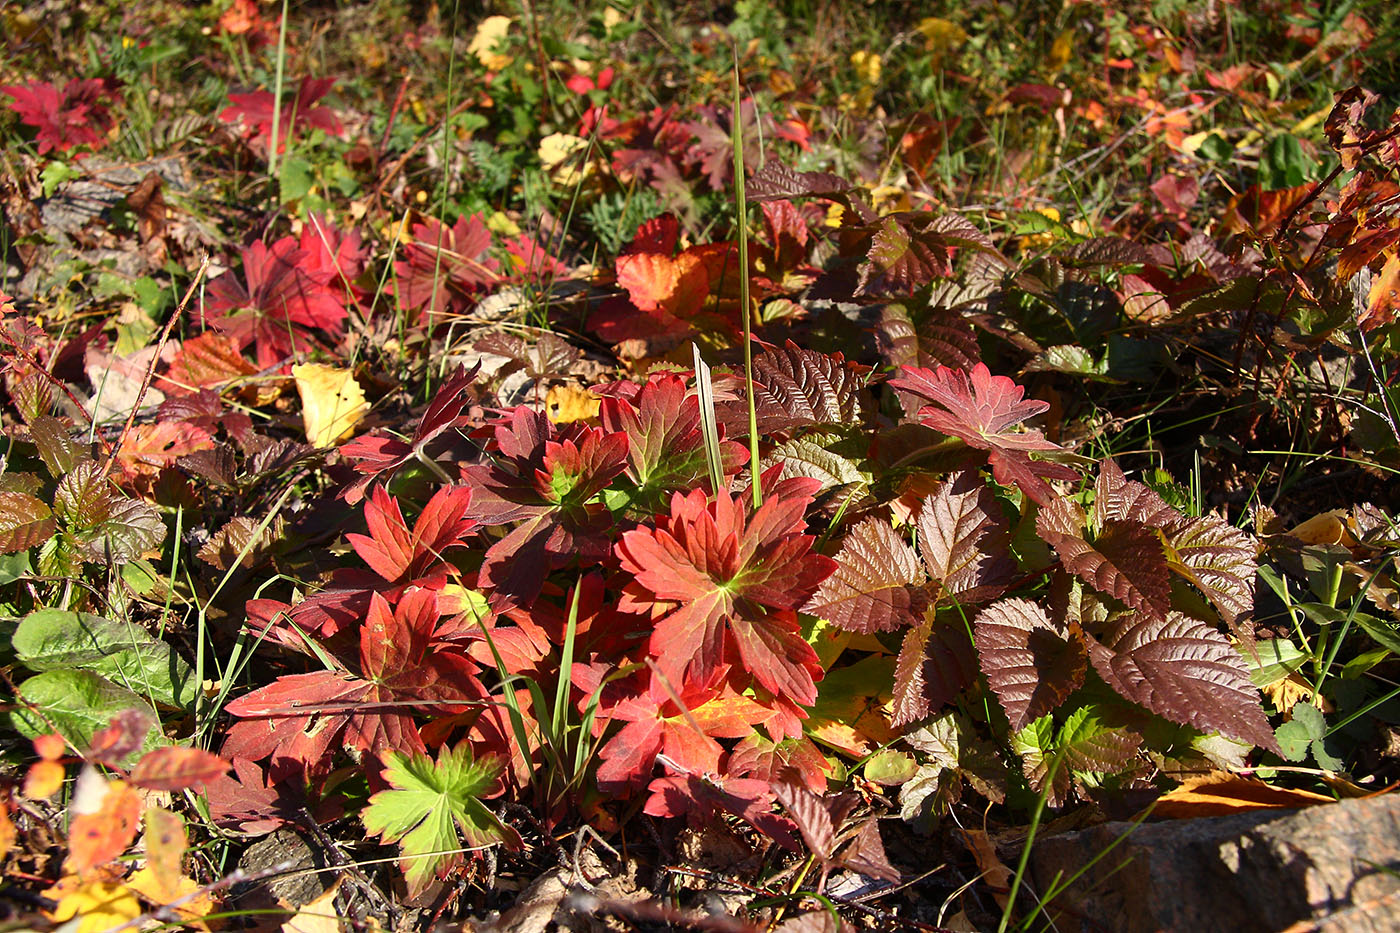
pixel 741 209
pixel 709 428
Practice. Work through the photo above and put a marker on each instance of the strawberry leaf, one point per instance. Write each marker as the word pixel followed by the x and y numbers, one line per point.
pixel 1125 560
pixel 1031 664
pixel 1218 559
pixel 877 583
pixel 777 181
pixel 1092 744
pixel 909 249
pixel 807 388
pixel 1183 670
pixel 936 661
pixel 103 525
pixel 1118 499
pixel 432 810
pixel 24 522
pixel 964 539
pixel 1036 746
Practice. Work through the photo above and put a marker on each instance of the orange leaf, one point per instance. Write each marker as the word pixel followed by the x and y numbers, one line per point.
pixel 994 870
pixel 106 821
pixel 43 779
pixel 176 768
pixel 659 283
pixel 210 359
pixel 1384 299
pixel 1220 794
pixel 50 747
pixel 147 448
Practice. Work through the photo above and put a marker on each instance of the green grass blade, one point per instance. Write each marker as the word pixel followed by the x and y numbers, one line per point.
pixel 709 427
pixel 741 210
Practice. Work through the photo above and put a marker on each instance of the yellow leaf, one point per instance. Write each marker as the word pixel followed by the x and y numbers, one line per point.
pixel 161 893
pixel 1061 49
pixel 486 44
pixel 332 402
pixel 1327 528
pixel 316 916
pixel 98 905
pixel 562 156
pixel 571 403
pixel 867 65
pixel 941 36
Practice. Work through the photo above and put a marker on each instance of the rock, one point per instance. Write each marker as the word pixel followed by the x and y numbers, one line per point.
pixel 1330 868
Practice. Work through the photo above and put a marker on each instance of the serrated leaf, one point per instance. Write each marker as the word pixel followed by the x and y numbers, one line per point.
pixel 1031 664
pixel 1185 671
pixel 1126 560
pixel 54 640
pixel 1218 559
pixel 936 661
pixel 432 811
pixel 964 539
pixel 24 522
pixel 56 446
pixel 876 586
pixel 105 526
pixel 776 181
pixel 1091 744
pixel 840 477
pixel 1119 499
pixel 909 249
pixel 77 704
pixel 1035 744
pixel 808 387
pixel 939 337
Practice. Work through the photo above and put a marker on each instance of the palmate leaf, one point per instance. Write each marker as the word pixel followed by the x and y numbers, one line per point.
pixel 877 586
pixel 432 810
pixel 1185 671
pixel 1218 559
pixel 982 410
pixel 1126 560
pixel 737 579
pixel 1030 663
pixel 401 556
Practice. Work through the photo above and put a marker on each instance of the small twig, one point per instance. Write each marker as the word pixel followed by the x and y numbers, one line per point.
pixel 155 361
pixel 357 878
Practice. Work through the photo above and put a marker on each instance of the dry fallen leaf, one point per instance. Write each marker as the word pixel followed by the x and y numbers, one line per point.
pixel 332 402
pixel 317 916
pixel 1219 794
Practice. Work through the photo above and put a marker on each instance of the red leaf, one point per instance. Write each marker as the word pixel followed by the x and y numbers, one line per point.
pixel 700 798
pixel 1031 664
pixel 177 768
pixel 936 661
pixel 401 556
pixel 964 540
pixel 982 409
pixel 76 117
pixel 738 580
pixel 1183 670
pixel 877 583
pixel 443 268
pixel 283 299
pixel 1119 499
pixel 254 112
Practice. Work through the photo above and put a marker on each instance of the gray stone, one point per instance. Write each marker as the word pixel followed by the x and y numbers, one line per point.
pixel 1334 867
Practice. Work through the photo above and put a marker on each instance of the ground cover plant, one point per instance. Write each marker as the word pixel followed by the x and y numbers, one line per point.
pixel 759 468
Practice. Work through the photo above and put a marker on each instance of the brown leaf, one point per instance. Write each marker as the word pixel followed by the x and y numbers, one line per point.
pixel 1031 664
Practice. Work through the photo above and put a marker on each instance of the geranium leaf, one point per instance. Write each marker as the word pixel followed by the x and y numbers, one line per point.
pixel 735 578
pixel 1183 670
pixel 432 810
pixel 982 410
pixel 876 586
pixel 1031 664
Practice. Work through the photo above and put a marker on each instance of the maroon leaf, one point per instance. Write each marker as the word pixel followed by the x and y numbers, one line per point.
pixel 1031 664
pixel 777 181
pixel 701 798
pixel 936 661
pixel 910 249
pixel 876 586
pixel 817 818
pixel 1183 670
pixel 1218 559
pixel 177 768
pixel 443 268
pixel 964 539
pixel 803 387
pixel 1126 560
pixel 866 854
pixel 942 337
pixel 1117 498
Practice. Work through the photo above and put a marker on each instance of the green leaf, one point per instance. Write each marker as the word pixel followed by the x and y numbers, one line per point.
pixel 431 810
pixel 104 525
pixel 54 640
pixel 1276 659
pixel 890 767
pixel 77 704
pixel 56 173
